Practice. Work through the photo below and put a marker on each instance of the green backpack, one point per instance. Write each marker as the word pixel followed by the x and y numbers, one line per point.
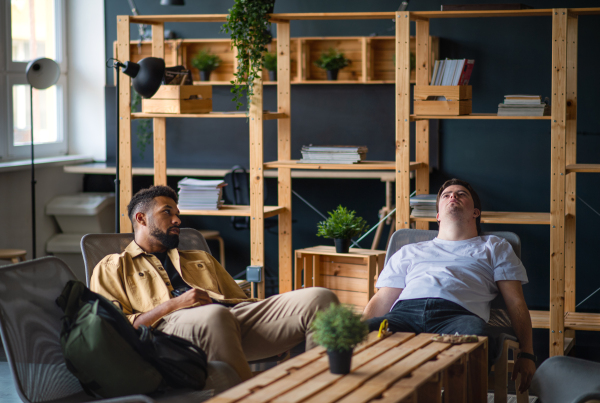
pixel 111 358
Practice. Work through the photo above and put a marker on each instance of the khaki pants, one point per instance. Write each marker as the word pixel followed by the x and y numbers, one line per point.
pixel 250 330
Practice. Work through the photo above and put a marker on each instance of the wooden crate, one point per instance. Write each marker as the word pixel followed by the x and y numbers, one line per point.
pixel 351 276
pixel 458 100
pixel 179 99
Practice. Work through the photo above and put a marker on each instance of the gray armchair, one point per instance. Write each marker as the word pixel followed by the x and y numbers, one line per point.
pixel 30 329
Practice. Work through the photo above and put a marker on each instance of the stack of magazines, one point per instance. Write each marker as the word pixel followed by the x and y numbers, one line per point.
pixel 198 194
pixel 423 205
pixel 524 105
pixel 333 154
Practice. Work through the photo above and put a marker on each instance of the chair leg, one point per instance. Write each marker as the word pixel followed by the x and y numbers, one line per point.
pixel 501 376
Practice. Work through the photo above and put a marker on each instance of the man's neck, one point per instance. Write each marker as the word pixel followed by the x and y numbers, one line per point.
pixel 148 246
pixel 457 231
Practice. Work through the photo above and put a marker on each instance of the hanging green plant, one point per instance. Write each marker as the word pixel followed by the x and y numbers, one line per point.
pixel 270 61
pixel 246 23
pixel 144 130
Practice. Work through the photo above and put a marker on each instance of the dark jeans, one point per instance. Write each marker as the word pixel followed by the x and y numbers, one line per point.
pixel 437 315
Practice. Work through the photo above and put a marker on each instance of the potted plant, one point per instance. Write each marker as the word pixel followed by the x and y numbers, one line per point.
pixel 247 23
pixel 332 61
pixel 341 226
pixel 271 65
pixel 339 330
pixel 205 62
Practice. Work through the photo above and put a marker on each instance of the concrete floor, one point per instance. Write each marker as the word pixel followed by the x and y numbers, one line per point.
pixel 8 393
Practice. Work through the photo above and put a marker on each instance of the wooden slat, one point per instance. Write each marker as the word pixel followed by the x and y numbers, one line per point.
pixel 503 217
pixel 352 298
pixel 423 68
pixel 402 119
pixel 218 115
pixel 455 382
pixel 160 151
pixel 124 137
pixel 477 373
pixel 363 165
pixel 235 211
pixel 372 265
pixel 571 159
pixel 158 41
pixel 257 184
pixel 557 181
pixel 298 266
pixel 284 175
pixel 339 269
pixel 540 319
pixel 582 321
pixel 307 266
pixel 593 168
pixel 479 116
pixel 345 283
pixel 481 14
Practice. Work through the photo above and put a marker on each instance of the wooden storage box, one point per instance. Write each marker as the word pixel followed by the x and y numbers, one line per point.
pixel 180 99
pixel 458 100
pixel 351 276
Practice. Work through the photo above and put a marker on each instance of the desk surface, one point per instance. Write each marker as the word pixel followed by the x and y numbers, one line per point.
pixel 100 168
pixel 392 369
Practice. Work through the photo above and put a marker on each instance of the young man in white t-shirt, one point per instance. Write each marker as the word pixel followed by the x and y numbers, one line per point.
pixel 446 285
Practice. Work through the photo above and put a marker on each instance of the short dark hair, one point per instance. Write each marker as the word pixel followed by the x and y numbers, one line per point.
pixel 144 199
pixel 474 196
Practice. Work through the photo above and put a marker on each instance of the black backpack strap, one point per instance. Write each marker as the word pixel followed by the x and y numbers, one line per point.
pixel 70 299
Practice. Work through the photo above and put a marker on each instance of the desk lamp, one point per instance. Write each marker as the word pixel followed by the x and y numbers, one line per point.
pixel 41 73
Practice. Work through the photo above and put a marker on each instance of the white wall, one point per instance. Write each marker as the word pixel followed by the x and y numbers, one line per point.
pixel 86 78
pixel 15 188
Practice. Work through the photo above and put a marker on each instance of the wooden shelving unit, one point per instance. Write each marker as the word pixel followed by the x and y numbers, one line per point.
pixel 293 65
pixel 561 319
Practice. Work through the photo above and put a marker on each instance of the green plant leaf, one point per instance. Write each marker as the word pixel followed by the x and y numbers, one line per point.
pixel 332 60
pixel 338 328
pixel 341 224
pixel 206 61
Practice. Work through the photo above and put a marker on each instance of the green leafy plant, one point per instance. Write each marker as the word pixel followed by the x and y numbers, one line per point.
pixel 270 61
pixel 338 328
pixel 143 130
pixel 246 23
pixel 206 61
pixel 341 224
pixel 332 60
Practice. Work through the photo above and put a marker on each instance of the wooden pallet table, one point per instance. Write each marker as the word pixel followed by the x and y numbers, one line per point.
pixel 399 368
pixel 351 276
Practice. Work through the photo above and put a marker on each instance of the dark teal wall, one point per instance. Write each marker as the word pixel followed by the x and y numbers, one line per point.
pixel 507 162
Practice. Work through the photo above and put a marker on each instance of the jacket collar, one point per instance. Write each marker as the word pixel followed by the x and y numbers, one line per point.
pixel 135 250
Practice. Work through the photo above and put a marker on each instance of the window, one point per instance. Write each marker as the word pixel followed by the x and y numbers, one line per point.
pixel 34 28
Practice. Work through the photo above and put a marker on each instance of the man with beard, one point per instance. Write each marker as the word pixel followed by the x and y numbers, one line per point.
pixel 446 285
pixel 189 294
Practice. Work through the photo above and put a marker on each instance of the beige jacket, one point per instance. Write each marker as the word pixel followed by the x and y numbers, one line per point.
pixel 137 281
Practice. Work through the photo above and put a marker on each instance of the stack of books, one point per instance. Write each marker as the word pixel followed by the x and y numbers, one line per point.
pixel 198 194
pixel 452 72
pixel 423 205
pixel 524 105
pixel 333 154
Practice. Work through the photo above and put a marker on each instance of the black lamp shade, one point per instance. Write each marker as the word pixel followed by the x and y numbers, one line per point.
pixel 147 75
pixel 172 2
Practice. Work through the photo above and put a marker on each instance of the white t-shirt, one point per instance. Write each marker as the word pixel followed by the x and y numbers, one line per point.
pixel 464 272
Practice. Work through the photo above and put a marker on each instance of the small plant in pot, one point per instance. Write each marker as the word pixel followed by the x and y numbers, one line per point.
pixel 270 63
pixel 341 226
pixel 332 61
pixel 339 330
pixel 206 62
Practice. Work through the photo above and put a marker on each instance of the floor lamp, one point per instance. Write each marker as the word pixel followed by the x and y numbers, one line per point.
pixel 41 73
pixel 146 77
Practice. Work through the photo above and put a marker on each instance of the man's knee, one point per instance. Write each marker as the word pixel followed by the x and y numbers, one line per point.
pixel 319 298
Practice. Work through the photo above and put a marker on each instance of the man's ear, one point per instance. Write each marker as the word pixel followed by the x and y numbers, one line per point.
pixel 476 213
pixel 140 218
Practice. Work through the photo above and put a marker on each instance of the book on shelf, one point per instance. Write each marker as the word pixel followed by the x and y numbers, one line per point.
pixel 199 194
pixel 424 205
pixel 524 105
pixel 333 154
pixel 452 72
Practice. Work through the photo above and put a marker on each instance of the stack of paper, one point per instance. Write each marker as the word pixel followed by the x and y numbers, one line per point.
pixel 423 205
pixel 524 105
pixel 333 154
pixel 198 194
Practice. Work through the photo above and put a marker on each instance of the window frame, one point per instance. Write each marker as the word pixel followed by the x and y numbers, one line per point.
pixel 12 73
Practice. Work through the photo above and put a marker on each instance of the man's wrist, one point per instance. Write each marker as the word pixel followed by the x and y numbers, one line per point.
pixel 528 356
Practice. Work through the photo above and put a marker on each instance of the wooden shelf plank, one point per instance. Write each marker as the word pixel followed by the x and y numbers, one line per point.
pixel 234 211
pixel 503 217
pixel 266 115
pixel 480 116
pixel 481 13
pixel 307 82
pixel 582 321
pixel 583 168
pixel 540 319
pixel 364 165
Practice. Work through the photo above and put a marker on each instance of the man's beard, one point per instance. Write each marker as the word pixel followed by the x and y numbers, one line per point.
pixel 169 241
